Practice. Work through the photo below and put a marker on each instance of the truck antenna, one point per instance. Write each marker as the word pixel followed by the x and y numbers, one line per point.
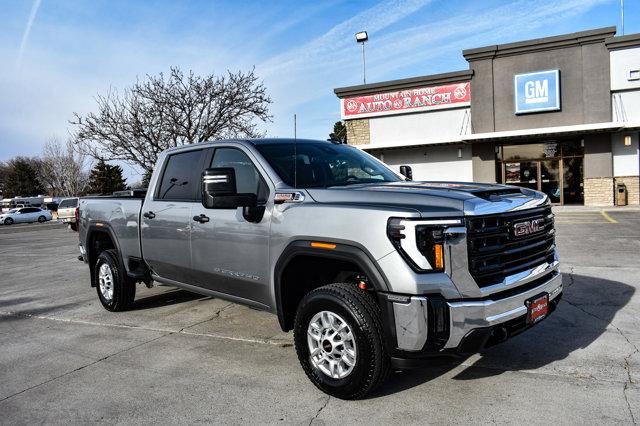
pixel 295 151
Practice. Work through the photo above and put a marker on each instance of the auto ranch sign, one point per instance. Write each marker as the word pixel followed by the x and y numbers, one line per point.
pixel 405 101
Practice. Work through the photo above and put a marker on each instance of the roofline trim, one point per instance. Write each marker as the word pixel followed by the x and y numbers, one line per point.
pixel 405 83
pixel 564 40
pixel 541 131
pixel 623 42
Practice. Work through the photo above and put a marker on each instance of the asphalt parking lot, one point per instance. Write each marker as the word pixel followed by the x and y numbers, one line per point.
pixel 178 357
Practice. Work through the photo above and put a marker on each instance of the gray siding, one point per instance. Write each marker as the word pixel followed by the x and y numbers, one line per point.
pixel 583 61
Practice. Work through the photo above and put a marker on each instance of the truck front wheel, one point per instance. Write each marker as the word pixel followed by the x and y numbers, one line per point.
pixel 116 290
pixel 339 341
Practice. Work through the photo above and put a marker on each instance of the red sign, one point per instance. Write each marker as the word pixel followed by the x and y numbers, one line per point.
pixel 409 100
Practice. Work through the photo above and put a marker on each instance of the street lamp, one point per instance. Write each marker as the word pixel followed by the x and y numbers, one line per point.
pixel 362 37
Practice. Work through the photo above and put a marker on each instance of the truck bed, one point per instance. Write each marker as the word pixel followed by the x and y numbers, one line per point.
pixel 121 215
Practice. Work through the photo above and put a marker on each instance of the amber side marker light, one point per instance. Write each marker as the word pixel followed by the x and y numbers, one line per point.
pixel 326 246
pixel 438 257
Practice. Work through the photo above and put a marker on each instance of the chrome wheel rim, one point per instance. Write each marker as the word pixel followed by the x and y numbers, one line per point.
pixel 105 282
pixel 332 346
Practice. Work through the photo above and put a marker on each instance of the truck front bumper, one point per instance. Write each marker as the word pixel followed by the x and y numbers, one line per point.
pixel 470 325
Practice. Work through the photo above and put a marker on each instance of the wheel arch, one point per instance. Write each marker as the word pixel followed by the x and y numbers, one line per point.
pixel 100 237
pixel 300 255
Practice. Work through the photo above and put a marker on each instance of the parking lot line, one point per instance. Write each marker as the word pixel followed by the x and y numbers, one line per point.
pixel 609 218
pixel 40 225
pixel 579 222
pixel 185 331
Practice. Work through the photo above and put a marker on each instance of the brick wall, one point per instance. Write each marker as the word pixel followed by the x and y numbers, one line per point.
pixel 358 132
pixel 633 188
pixel 598 191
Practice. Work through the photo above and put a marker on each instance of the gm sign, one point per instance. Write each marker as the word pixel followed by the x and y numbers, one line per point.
pixel 537 91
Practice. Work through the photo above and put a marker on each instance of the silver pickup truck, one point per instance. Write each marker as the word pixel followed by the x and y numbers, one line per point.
pixel 370 270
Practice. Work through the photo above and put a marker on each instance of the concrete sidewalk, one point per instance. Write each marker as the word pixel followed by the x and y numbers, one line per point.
pixel 576 209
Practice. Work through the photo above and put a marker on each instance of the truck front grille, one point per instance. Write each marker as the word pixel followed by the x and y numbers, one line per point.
pixel 495 252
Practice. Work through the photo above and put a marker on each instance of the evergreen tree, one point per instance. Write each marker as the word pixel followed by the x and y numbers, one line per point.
pixel 106 179
pixel 339 132
pixel 21 178
pixel 146 179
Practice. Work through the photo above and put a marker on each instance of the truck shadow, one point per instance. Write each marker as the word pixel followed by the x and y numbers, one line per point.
pixel 588 306
pixel 171 297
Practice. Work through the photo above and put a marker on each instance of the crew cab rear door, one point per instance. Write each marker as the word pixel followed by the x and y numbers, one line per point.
pixel 228 253
pixel 166 216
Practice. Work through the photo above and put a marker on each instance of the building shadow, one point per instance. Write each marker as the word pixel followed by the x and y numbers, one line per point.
pixel 588 306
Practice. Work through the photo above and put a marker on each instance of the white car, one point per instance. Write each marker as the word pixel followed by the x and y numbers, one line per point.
pixel 25 215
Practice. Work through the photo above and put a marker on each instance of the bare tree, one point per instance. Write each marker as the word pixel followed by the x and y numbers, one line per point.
pixel 162 112
pixel 62 169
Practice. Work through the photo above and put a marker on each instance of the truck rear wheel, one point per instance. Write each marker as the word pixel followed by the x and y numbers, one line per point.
pixel 339 341
pixel 116 290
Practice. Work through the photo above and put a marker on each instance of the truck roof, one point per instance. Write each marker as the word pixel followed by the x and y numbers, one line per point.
pixel 259 141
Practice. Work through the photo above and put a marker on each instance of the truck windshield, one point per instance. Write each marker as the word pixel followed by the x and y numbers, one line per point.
pixel 323 164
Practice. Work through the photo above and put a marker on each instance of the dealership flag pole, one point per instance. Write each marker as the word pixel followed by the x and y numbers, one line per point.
pixel 622 15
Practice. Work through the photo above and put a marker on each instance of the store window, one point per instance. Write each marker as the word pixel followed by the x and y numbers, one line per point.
pixel 553 167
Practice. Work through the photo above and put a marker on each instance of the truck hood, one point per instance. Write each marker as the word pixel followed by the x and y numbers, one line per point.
pixel 443 199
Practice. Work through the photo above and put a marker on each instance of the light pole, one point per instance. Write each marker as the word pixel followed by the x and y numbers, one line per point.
pixel 362 37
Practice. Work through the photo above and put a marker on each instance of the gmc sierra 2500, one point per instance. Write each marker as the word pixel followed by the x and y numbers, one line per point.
pixel 370 270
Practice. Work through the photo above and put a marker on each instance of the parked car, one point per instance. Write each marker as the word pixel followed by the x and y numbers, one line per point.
pixel 25 215
pixel 67 212
pixel 370 270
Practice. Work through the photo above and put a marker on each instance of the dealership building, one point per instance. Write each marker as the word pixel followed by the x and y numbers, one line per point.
pixel 559 114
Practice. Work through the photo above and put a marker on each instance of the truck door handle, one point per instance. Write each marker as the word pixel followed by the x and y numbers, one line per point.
pixel 202 218
pixel 149 215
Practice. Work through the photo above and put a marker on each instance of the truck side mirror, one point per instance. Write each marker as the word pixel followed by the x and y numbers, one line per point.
pixel 406 172
pixel 219 190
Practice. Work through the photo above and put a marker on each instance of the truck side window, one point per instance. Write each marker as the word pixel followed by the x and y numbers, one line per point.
pixel 247 176
pixel 180 177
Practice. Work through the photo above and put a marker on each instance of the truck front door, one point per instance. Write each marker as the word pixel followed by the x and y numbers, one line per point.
pixel 166 216
pixel 229 254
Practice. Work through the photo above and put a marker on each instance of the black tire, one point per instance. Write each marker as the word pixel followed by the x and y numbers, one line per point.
pixel 8 221
pixel 362 314
pixel 123 287
pixel 42 219
pixel 73 226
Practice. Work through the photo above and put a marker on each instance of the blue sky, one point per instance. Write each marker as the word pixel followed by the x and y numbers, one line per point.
pixel 54 61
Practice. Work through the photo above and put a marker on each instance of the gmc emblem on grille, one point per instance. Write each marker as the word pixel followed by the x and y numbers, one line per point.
pixel 528 227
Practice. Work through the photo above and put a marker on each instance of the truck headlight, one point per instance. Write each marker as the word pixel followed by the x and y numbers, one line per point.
pixel 420 242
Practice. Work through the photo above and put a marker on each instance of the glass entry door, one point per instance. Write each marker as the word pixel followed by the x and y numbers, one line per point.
pixel 572 172
pixel 550 179
pixel 539 175
pixel 522 173
pixel 552 167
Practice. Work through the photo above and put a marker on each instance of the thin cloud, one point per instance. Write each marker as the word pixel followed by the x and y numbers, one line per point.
pixel 340 36
pixel 418 44
pixel 27 32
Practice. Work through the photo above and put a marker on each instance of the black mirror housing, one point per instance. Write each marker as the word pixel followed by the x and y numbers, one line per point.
pixel 406 172
pixel 219 190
